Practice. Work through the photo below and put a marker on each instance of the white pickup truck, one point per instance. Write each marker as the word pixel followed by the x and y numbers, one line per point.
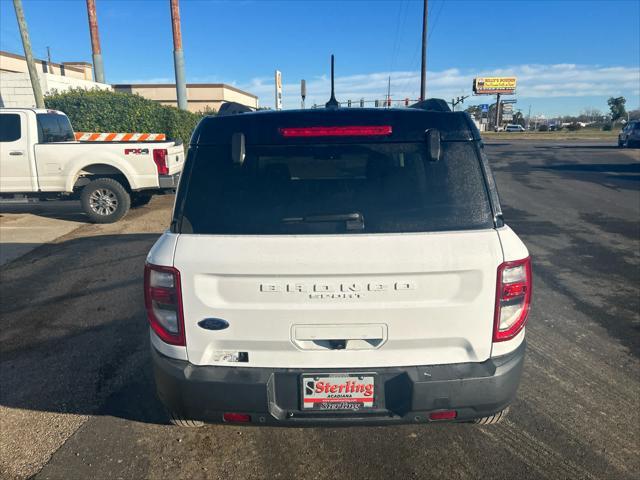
pixel 40 158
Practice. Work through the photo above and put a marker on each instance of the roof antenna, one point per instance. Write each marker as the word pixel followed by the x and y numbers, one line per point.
pixel 332 103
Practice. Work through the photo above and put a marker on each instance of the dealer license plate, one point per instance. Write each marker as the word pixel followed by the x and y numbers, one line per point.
pixel 338 392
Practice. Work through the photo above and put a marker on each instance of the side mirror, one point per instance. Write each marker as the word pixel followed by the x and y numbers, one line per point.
pixel 237 148
pixel 432 139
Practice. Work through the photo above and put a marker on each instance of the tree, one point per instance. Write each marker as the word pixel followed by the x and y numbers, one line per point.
pixel 106 111
pixel 474 111
pixel 590 115
pixel 617 108
pixel 518 119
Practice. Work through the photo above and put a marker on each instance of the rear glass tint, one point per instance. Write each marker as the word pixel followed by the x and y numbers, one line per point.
pixel 53 127
pixel 328 189
pixel 9 127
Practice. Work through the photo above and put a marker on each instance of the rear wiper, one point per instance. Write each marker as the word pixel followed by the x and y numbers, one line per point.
pixel 354 221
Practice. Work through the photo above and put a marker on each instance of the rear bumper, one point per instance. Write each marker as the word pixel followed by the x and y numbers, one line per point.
pixel 404 394
pixel 169 181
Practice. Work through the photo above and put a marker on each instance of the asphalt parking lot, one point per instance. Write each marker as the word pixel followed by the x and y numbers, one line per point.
pixel 77 400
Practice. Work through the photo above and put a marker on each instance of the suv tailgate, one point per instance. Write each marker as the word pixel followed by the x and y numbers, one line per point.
pixel 398 300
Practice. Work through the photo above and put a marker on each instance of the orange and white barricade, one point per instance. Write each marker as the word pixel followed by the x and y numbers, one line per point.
pixel 119 137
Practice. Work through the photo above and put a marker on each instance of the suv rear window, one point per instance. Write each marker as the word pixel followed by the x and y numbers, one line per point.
pixel 325 189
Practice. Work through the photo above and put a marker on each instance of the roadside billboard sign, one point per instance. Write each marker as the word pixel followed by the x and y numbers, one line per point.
pixel 494 85
pixel 510 100
pixel 278 90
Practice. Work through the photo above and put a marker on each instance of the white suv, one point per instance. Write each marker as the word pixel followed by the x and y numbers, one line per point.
pixel 337 266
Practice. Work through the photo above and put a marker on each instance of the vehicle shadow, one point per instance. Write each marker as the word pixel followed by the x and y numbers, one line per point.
pixel 54 209
pixel 75 338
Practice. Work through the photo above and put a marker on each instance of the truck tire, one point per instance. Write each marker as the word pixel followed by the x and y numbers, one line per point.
pixel 179 421
pixel 492 419
pixel 105 200
pixel 139 200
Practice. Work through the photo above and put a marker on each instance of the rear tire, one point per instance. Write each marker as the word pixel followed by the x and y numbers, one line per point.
pixel 492 419
pixel 105 200
pixel 179 421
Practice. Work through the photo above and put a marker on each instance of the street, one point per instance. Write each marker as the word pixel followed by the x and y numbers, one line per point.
pixel 77 397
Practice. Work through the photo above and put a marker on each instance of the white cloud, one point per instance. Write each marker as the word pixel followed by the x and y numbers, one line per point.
pixel 534 81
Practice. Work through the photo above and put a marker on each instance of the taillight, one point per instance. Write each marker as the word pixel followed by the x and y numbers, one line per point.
pixel 163 302
pixel 513 299
pixel 160 158
pixel 350 131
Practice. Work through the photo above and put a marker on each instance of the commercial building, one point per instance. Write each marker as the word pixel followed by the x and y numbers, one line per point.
pixel 200 96
pixel 15 84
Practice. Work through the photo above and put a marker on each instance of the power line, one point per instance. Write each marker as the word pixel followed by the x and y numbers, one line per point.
pixel 397 43
pixel 395 38
pixel 414 59
pixel 435 22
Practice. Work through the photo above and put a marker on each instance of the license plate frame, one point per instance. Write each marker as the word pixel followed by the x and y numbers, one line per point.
pixel 353 397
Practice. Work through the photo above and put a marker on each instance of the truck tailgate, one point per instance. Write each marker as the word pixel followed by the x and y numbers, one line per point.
pixel 175 159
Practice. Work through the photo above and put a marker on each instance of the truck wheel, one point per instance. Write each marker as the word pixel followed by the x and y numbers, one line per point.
pixel 105 200
pixel 179 421
pixel 139 200
pixel 492 419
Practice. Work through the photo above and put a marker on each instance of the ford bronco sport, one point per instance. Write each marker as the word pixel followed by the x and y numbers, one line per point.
pixel 337 266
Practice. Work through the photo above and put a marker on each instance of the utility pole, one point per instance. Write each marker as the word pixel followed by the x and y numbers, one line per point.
pixel 49 68
pixel 26 44
pixel 389 92
pixel 423 74
pixel 98 67
pixel 178 56
pixel 497 111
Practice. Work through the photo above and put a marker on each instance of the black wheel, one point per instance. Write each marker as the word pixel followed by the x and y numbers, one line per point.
pixel 139 200
pixel 105 200
pixel 179 421
pixel 492 419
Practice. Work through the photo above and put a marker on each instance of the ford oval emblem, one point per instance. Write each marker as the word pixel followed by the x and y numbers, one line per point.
pixel 213 324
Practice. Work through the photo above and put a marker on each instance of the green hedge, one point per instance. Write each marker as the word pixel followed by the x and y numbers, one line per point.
pixel 106 111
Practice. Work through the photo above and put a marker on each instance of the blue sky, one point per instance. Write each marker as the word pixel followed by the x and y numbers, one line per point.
pixel 567 55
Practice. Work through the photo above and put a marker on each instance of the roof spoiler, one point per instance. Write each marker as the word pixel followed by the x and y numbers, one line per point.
pixel 233 108
pixel 433 105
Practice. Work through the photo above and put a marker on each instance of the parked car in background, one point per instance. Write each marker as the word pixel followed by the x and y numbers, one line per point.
pixel 630 135
pixel 337 266
pixel 514 128
pixel 40 158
